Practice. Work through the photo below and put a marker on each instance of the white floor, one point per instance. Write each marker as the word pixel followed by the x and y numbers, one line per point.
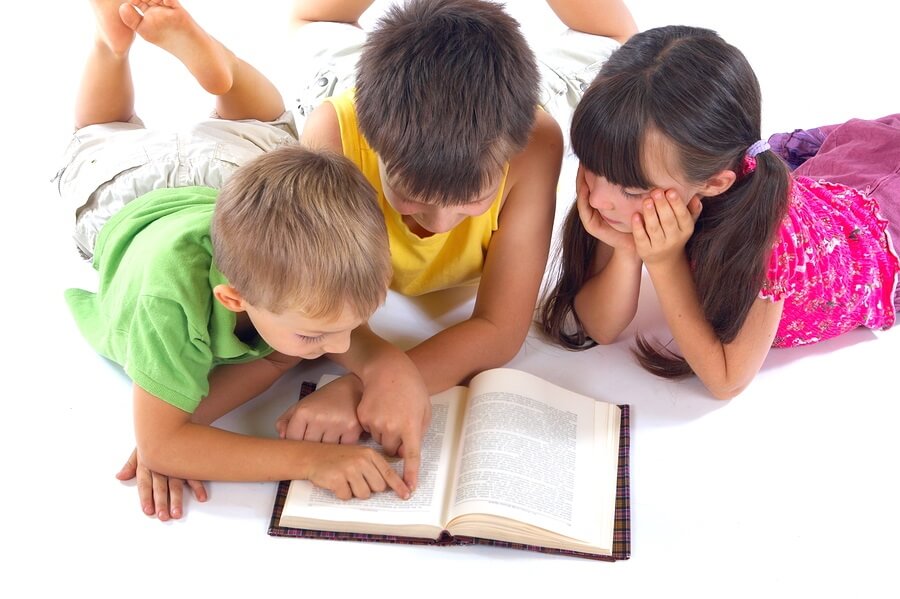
pixel 791 488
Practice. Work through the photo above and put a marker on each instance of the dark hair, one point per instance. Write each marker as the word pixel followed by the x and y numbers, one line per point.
pixel 702 94
pixel 297 229
pixel 446 92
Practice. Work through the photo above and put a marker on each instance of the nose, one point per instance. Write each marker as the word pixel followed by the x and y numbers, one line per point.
pixel 440 221
pixel 599 201
pixel 337 343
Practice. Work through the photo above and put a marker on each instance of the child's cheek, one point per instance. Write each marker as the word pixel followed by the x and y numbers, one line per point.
pixel 636 212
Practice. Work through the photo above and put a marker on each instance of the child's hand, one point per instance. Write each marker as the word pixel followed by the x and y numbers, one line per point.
pixel 160 495
pixel 396 410
pixel 593 222
pixel 353 471
pixel 662 230
pixel 327 415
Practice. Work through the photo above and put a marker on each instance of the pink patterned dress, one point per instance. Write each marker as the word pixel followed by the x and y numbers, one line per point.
pixel 832 263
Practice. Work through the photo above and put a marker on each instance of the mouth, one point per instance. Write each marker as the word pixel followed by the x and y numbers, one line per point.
pixel 610 221
pixel 416 226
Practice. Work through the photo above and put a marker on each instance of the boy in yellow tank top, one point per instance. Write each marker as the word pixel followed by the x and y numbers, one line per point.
pixel 445 121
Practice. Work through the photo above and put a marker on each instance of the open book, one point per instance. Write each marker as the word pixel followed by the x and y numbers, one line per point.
pixel 511 460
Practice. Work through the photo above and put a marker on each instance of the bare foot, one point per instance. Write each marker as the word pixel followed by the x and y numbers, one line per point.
pixel 166 24
pixel 110 28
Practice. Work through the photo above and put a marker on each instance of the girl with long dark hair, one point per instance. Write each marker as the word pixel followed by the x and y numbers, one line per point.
pixel 744 255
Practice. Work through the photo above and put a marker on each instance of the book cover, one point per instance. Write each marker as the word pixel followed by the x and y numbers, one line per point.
pixel 621 534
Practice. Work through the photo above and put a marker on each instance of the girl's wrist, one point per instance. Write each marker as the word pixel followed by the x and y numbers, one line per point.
pixel 627 256
pixel 675 266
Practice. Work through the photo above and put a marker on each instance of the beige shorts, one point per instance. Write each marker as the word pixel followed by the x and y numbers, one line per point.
pixel 328 53
pixel 108 165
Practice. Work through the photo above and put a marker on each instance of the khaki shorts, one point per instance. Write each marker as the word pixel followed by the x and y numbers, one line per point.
pixel 108 165
pixel 328 53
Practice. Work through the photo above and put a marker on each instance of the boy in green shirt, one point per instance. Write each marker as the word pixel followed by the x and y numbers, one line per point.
pixel 206 297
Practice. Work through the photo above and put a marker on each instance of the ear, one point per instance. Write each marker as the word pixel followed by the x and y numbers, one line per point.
pixel 229 297
pixel 718 183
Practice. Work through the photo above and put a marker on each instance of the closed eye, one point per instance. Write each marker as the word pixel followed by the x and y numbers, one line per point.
pixel 633 195
pixel 308 339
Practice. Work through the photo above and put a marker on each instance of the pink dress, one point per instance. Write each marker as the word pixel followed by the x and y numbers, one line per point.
pixel 832 263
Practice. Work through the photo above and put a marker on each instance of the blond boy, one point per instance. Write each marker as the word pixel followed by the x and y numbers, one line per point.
pixel 206 297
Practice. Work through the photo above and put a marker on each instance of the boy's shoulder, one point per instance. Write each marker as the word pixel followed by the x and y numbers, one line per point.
pixel 323 126
pixel 533 175
pixel 542 155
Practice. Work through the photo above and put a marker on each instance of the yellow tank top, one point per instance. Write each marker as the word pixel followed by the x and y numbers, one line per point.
pixel 444 260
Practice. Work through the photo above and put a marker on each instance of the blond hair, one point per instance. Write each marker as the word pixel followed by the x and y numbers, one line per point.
pixel 297 229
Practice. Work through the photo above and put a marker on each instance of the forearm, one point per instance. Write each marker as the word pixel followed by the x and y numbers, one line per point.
pixel 607 303
pixel 457 353
pixel 201 452
pixel 232 385
pixel 168 442
pixel 707 356
pixel 511 278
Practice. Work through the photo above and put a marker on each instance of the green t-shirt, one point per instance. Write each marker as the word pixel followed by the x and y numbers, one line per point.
pixel 154 312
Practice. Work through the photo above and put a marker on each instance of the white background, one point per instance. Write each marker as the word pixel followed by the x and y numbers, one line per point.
pixel 789 489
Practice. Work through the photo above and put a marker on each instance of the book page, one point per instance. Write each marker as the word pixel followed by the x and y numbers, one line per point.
pixel 528 453
pixel 308 506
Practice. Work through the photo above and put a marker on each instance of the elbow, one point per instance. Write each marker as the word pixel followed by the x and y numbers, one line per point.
pixel 725 390
pixel 605 335
pixel 501 340
pixel 605 338
pixel 725 381
pixel 723 394
pixel 605 331
pixel 506 352
pixel 154 456
pixel 507 347
pixel 151 458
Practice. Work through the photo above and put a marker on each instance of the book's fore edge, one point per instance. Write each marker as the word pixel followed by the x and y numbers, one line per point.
pixel 621 529
pixel 622 525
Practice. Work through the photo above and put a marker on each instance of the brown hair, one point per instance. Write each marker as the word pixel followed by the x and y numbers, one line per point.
pixel 702 94
pixel 446 92
pixel 301 230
